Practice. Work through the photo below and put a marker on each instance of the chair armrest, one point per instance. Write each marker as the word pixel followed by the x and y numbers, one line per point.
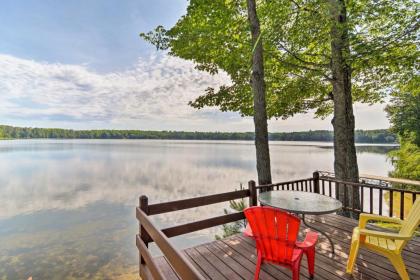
pixel 364 218
pixel 248 231
pixel 388 235
pixel 310 240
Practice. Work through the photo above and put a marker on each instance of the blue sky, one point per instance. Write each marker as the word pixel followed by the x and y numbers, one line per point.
pixel 100 33
pixel 81 64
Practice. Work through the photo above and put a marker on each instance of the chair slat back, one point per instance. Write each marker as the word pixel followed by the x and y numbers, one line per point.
pixel 275 232
pixel 410 224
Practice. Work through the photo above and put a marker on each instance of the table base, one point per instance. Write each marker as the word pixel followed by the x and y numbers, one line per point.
pixel 321 232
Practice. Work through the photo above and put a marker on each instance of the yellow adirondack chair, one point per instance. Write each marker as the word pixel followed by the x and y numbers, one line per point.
pixel 388 244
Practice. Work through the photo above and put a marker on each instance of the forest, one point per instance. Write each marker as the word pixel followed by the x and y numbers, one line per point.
pixel 362 136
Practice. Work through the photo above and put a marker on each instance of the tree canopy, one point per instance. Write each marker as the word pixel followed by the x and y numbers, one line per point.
pixel 404 115
pixel 215 35
pixel 404 110
pixel 406 159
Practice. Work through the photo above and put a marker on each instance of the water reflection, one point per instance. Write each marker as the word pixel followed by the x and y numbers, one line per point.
pixel 370 148
pixel 60 244
pixel 67 206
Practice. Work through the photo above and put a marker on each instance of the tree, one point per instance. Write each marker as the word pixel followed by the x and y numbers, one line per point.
pixel 355 51
pixel 404 115
pixel 404 110
pixel 258 88
pixel 345 159
pixel 322 55
pixel 406 159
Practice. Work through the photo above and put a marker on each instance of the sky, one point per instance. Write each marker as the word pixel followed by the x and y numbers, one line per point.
pixel 82 65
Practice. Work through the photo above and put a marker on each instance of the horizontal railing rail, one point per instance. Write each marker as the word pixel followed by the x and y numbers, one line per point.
pixel 377 180
pixel 203 224
pixel 366 185
pixel 177 260
pixel 148 267
pixel 172 206
pixel 294 185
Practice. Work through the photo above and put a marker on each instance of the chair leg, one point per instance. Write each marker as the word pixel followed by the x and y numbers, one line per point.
pixel 296 269
pixel 258 268
pixel 310 256
pixel 354 250
pixel 398 262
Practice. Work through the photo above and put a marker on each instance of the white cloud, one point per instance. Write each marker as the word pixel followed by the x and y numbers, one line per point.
pixel 158 88
pixel 152 95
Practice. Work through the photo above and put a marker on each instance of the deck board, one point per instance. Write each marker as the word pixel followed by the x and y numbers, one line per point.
pixel 234 258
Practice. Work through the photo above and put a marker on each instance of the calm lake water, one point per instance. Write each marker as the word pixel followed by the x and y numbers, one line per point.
pixel 67 206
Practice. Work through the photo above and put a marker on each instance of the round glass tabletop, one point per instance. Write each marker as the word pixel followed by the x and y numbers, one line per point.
pixel 300 202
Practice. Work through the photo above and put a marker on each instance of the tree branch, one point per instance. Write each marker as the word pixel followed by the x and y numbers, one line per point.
pixel 388 42
pixel 304 8
pixel 328 78
pixel 300 59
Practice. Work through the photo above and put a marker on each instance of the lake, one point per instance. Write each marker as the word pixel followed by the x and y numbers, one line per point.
pixel 67 207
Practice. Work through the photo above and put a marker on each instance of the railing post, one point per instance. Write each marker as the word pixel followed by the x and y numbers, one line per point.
pixel 315 175
pixel 144 206
pixel 253 193
pixel 402 198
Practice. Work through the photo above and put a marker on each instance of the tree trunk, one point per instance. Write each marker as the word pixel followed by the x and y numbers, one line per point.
pixel 258 88
pixel 345 159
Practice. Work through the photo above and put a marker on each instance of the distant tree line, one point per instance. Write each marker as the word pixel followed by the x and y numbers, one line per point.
pixel 362 136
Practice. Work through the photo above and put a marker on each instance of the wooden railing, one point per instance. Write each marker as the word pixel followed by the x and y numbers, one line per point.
pixel 149 233
pixel 306 185
pixel 372 199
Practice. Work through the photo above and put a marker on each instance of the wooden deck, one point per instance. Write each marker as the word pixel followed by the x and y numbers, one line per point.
pixel 235 257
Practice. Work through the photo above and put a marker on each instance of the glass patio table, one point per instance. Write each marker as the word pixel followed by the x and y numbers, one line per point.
pixel 303 203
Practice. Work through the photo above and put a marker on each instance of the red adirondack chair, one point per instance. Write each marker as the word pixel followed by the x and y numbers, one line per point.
pixel 275 233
